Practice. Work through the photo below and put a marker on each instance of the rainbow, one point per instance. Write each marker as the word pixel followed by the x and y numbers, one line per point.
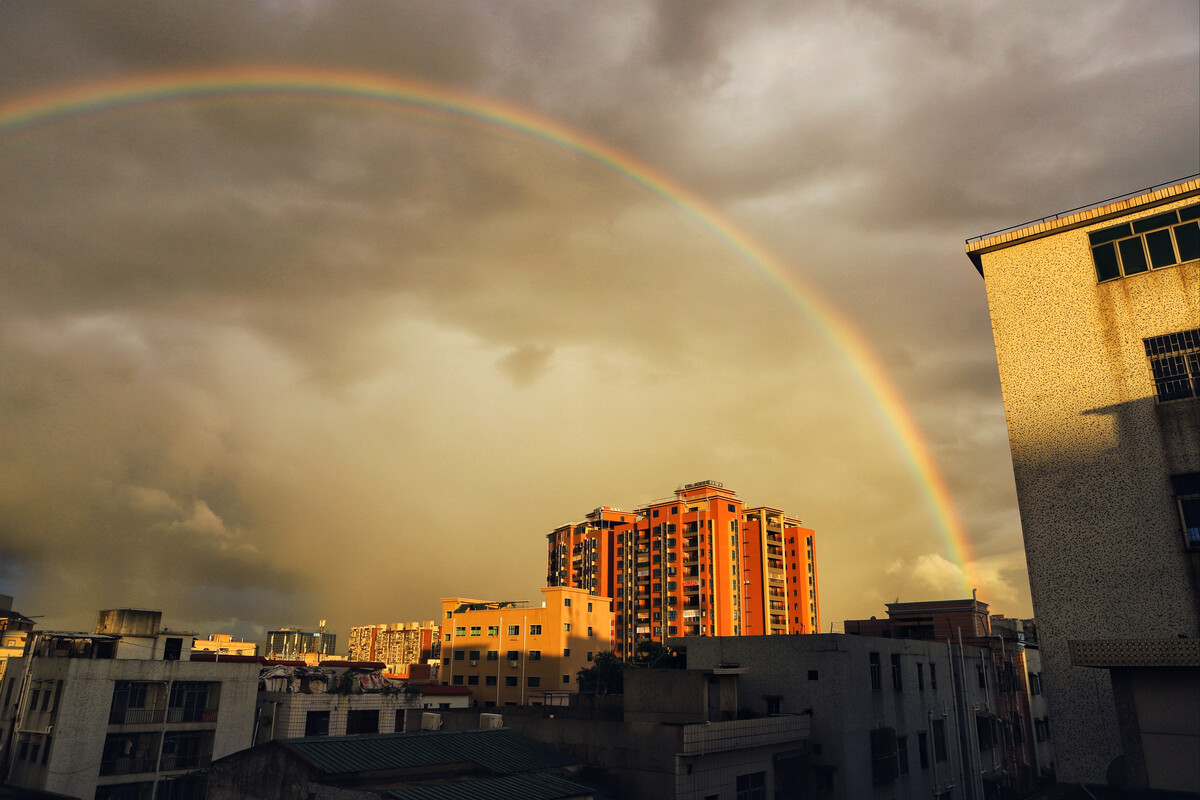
pixel 417 97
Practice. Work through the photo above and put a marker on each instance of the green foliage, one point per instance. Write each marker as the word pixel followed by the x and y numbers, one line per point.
pixel 605 676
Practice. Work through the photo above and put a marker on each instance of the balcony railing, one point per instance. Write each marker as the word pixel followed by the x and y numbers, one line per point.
pixel 191 715
pixel 135 716
pixel 127 765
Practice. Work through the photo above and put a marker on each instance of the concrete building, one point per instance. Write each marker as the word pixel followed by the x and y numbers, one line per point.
pixel 342 699
pixel 698 563
pixel 296 643
pixel 121 712
pixel 890 718
pixel 1023 738
pixel 399 645
pixel 508 653
pixel 1096 317
pixel 676 734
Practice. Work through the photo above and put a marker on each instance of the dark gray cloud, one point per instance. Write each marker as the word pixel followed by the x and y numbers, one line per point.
pixel 289 360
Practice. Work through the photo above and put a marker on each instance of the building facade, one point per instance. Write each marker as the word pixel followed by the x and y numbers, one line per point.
pixel 223 645
pixel 698 563
pixel 398 645
pixel 890 718
pixel 509 653
pixel 122 712
pixel 1096 319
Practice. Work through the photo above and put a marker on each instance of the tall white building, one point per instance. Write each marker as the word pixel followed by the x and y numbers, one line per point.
pixel 1096 316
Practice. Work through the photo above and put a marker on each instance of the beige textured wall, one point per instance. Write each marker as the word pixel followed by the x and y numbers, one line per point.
pixel 1092 455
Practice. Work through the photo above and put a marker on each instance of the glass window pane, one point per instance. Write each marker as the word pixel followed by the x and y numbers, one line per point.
pixel 1187 238
pixel 1108 234
pixel 1105 257
pixel 1133 257
pixel 1162 252
pixel 1191 212
pixel 1155 222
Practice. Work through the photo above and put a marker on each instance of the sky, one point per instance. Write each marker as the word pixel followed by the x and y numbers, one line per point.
pixel 275 359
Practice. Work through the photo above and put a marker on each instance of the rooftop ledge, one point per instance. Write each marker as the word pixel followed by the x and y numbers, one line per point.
pixel 714 737
pixel 1084 215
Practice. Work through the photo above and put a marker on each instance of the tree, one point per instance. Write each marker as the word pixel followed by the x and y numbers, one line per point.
pixel 605 676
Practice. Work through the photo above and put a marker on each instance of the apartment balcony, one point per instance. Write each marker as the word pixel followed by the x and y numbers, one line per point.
pixel 774 538
pixel 778 606
pixel 136 716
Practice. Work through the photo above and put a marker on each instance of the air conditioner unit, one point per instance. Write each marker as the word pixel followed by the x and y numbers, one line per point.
pixel 431 721
pixel 491 721
pixel 514 664
pixel 474 662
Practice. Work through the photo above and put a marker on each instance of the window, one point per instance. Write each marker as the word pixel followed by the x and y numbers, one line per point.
pixel 473 654
pixel 1035 683
pixel 535 630
pixel 172 649
pixel 590 630
pixel 876 674
pixel 461 631
pixel 514 655
pixel 472 680
pixel 489 680
pixel 589 655
pixel 897 683
pixel 1162 240
pixel 566 652
pixel 884 767
pixel 920 677
pixel 493 655
pixel 752 786
pixel 449 615
pixel 1041 729
pixel 567 602
pixel 510 680
pixel 535 655
pixel 939 740
pixel 533 681
pixel 316 723
pixel 514 630
pixel 932 675
pixel 566 627
pixel 457 680
pixel 1175 364
pixel 812 675
pixel 1187 495
pixel 902 753
pixel 460 655
pixel 566 679
pixel 589 608
pixel 364 720
pixel 493 630
pixel 476 630
pixel 774 704
pixel 981 676
pixel 923 749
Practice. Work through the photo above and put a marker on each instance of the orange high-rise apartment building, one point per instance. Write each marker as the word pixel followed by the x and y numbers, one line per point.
pixel 695 564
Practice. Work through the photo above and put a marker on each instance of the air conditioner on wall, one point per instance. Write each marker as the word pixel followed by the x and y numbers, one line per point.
pixel 474 662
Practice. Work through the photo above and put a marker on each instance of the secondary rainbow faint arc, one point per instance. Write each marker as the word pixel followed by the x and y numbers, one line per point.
pixel 328 85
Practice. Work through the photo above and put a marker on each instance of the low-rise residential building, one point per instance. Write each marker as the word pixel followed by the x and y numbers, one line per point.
pixel 398 645
pixel 121 712
pixel 890 718
pixel 1023 738
pixel 508 653
pixel 341 699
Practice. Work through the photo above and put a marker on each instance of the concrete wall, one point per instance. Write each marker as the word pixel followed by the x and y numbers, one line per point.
pixel 1092 455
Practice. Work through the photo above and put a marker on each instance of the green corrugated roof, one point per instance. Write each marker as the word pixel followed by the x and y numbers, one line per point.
pixel 532 786
pixel 500 750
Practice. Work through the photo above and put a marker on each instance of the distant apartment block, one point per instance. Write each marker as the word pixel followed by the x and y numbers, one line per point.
pixel 698 563
pixel 398 645
pixel 122 712
pixel 14 632
pixel 1096 318
pixel 509 653
pixel 296 643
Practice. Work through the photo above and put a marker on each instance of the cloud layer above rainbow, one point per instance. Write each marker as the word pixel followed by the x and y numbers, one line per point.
pixel 413 97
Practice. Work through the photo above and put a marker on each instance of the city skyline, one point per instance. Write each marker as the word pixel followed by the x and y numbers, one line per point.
pixel 269 359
